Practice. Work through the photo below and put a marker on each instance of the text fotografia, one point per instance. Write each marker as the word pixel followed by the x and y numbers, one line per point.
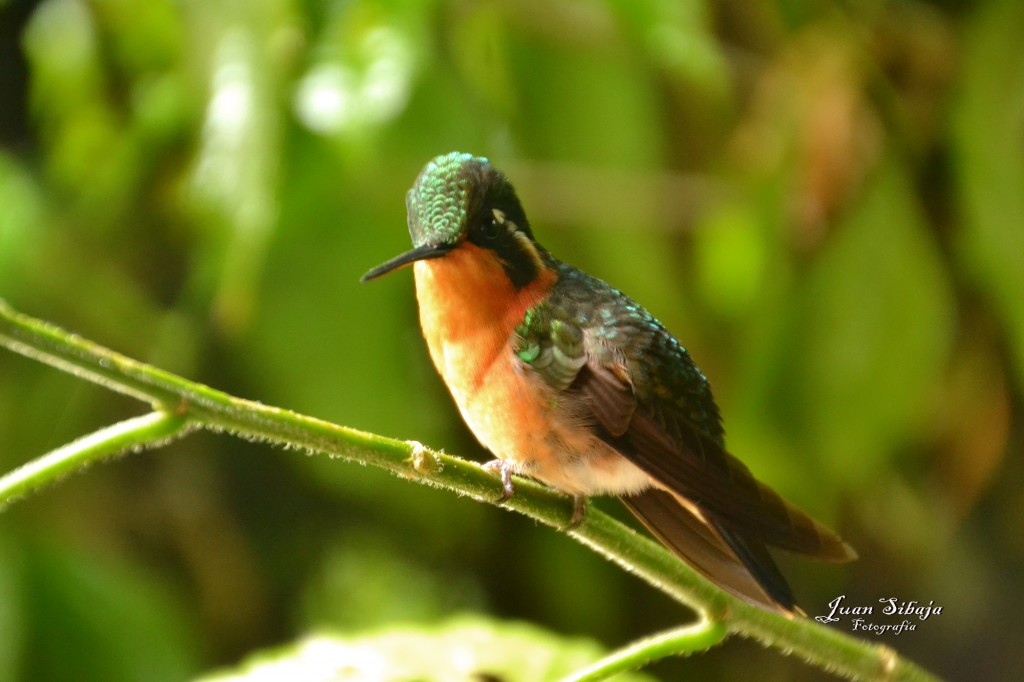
pixel 910 610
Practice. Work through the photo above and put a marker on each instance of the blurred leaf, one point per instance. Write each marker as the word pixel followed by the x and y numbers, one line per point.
pixel 104 620
pixel 20 222
pixel 364 582
pixel 678 37
pixel 988 125
pixel 365 59
pixel 974 424
pixel 878 332
pixel 236 168
pixel 731 256
pixel 13 607
pixel 482 42
pixel 142 36
pixel 561 88
pixel 464 649
pixel 67 99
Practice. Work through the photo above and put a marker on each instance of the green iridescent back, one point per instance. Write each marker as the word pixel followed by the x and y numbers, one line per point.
pixel 586 318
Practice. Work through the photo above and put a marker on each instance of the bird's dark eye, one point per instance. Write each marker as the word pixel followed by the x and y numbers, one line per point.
pixel 492 225
pixel 490 229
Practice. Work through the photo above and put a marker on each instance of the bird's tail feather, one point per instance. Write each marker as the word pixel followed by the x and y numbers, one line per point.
pixel 741 566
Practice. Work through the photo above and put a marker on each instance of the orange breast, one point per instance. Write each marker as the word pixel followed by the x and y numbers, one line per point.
pixel 468 311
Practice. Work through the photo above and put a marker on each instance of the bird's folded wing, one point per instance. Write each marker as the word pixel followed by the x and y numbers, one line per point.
pixel 754 578
pixel 692 465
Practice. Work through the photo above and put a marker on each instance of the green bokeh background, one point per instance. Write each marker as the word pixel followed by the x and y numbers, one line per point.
pixel 823 200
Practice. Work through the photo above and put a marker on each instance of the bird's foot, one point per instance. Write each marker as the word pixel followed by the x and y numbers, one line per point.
pixel 504 470
pixel 579 512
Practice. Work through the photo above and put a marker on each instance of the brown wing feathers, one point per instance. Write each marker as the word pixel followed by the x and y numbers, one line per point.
pixel 723 486
pixel 711 511
pixel 754 577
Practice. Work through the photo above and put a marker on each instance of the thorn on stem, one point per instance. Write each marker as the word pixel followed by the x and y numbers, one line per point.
pixel 421 459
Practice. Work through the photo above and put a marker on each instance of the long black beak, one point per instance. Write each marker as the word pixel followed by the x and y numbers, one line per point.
pixel 425 252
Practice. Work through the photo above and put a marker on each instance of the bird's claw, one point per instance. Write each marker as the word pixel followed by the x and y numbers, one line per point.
pixel 579 512
pixel 504 471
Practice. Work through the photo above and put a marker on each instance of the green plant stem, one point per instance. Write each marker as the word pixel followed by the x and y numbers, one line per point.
pixel 207 408
pixel 699 636
pixel 149 430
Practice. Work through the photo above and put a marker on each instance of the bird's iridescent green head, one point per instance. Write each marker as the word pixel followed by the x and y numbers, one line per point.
pixel 459 198
pixel 438 202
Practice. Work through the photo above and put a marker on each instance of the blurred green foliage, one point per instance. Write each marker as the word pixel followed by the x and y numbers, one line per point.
pixel 462 648
pixel 823 200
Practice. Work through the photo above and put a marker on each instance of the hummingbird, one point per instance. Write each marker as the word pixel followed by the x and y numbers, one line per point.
pixel 567 380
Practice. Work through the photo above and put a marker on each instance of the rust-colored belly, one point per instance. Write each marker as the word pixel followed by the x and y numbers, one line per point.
pixel 468 312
